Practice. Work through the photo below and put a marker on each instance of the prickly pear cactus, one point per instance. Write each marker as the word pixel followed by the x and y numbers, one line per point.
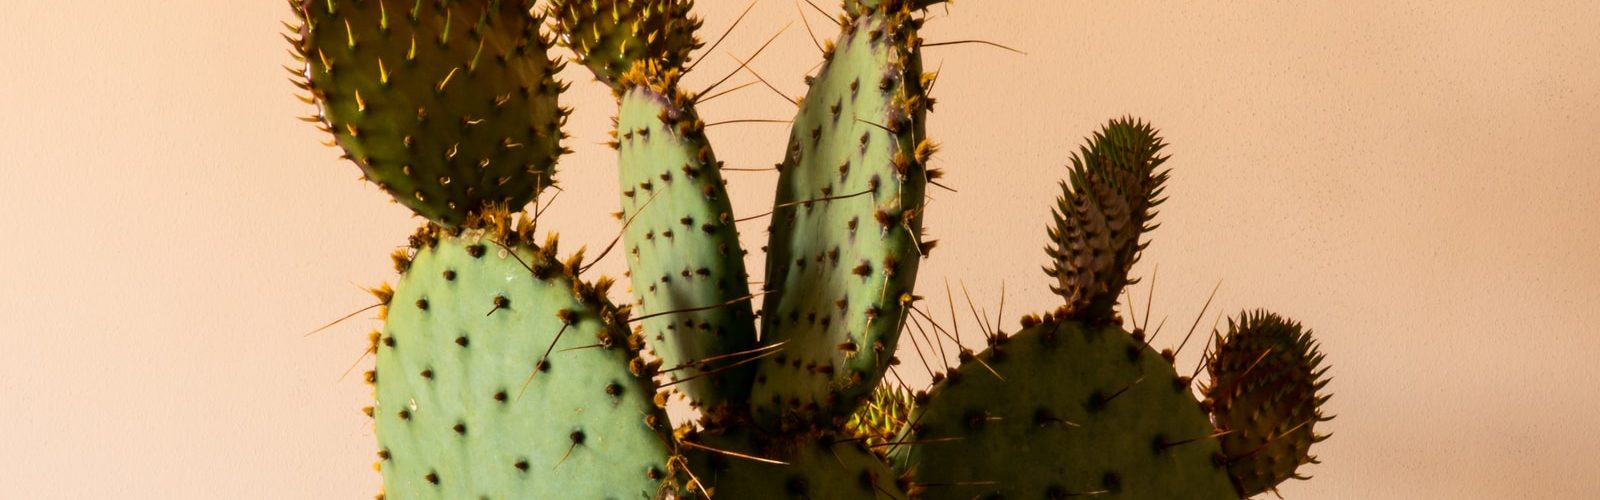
pixel 501 375
pixel 1064 410
pixel 846 228
pixel 1264 394
pixel 446 105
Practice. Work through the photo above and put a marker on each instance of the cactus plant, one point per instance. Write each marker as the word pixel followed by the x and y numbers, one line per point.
pixel 502 373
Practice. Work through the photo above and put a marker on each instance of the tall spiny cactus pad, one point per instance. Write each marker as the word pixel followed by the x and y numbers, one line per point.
pixel 500 375
pixel 1266 376
pixel 1063 411
pixel 1115 186
pixel 610 36
pixel 818 466
pixel 682 247
pixel 846 240
pixel 446 105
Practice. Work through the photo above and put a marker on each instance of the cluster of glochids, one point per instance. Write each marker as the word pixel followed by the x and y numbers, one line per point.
pixel 502 374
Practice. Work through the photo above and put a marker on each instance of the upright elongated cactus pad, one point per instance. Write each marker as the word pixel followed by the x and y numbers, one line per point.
pixel 610 36
pixel 500 375
pixel 1266 376
pixel 1116 183
pixel 845 240
pixel 1063 411
pixel 446 105
pixel 817 466
pixel 682 247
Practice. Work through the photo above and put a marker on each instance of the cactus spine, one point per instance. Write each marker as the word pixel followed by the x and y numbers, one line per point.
pixel 501 373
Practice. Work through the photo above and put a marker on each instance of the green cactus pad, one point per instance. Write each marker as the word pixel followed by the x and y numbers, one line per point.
pixel 682 247
pixel 447 106
pixel 460 412
pixel 846 242
pixel 1115 186
pixel 1266 376
pixel 610 36
pixel 1061 411
pixel 804 466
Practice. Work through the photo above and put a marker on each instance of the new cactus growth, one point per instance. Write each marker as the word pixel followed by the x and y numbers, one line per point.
pixel 1110 201
pixel 1264 394
pixel 879 419
pixel 501 373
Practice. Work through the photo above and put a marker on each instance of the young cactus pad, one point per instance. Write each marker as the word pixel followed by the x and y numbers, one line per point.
pixel 1266 375
pixel 1062 410
pixel 500 375
pixel 846 240
pixel 446 105
pixel 681 244
pixel 877 421
pixel 1116 183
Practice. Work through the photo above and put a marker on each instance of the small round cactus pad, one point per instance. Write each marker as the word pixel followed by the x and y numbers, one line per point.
pixel 446 105
pixel 1265 392
pixel 612 36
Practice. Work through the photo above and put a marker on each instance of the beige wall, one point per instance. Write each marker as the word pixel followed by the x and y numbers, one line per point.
pixel 1417 182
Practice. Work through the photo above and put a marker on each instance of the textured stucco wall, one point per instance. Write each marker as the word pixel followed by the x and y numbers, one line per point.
pixel 1416 182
